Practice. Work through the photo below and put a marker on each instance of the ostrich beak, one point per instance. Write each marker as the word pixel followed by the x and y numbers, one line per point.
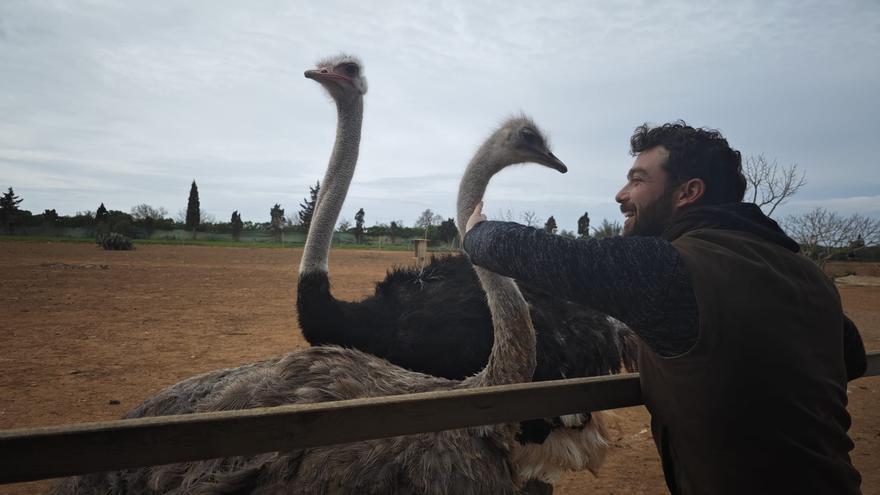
pixel 322 75
pixel 555 163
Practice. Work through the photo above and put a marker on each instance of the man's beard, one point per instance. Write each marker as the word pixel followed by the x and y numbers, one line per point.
pixel 653 219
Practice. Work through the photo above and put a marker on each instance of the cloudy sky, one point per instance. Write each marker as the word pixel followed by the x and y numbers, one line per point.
pixel 127 102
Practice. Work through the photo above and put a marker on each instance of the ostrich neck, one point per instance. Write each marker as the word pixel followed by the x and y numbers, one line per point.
pixel 473 185
pixel 512 358
pixel 334 187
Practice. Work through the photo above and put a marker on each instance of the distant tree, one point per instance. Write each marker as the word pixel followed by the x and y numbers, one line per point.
pixel 359 226
pixel 145 211
pixel 307 207
pixel 822 233
pixel 344 225
pixel 567 233
pixel 147 216
pixel 193 214
pixel 394 230
pixel 768 185
pixel 427 222
pixel 276 223
pixel 101 214
pixel 9 210
pixel 584 226
pixel 79 220
pixel 102 222
pixel 377 230
pixel 607 229
pixel 864 231
pixel 236 224
pixel 50 218
pixel 448 230
pixel 530 218
pixel 550 226
pixel 426 219
pixel 119 222
pixel 856 245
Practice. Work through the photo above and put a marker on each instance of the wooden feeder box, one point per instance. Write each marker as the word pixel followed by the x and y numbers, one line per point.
pixel 420 246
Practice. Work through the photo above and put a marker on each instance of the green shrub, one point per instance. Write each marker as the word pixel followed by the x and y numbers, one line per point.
pixel 116 242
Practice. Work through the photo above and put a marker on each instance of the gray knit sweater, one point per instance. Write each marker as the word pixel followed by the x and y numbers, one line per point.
pixel 641 281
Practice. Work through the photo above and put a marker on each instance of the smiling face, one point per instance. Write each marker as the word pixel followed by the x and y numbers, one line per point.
pixel 646 200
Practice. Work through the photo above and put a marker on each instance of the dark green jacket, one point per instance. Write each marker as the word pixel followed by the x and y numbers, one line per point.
pixel 758 405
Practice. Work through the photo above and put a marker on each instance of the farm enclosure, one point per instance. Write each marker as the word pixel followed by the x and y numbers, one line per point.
pixel 87 334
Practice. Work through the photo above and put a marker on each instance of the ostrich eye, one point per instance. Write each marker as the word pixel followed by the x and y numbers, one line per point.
pixel 530 137
pixel 351 70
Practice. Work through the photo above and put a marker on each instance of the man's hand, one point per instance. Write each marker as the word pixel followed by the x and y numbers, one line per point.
pixel 476 217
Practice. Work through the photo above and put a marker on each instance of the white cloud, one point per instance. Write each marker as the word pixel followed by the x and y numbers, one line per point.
pixel 127 102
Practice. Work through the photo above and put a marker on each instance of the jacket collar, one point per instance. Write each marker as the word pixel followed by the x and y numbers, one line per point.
pixel 745 217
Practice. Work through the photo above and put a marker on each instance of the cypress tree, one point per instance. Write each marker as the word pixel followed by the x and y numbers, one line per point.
pixel 550 226
pixel 9 209
pixel 276 224
pixel 307 207
pixel 192 209
pixel 237 225
pixel 584 226
pixel 101 214
pixel 359 226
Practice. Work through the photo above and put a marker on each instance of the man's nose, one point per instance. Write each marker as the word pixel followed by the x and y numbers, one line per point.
pixel 620 197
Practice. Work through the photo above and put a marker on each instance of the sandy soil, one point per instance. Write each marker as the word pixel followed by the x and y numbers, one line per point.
pixel 87 334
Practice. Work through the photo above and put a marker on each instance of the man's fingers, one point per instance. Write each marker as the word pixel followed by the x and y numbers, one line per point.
pixel 476 217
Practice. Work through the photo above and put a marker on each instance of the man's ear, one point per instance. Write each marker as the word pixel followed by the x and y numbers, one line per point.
pixel 690 192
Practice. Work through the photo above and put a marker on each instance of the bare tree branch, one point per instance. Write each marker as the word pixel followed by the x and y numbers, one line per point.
pixel 531 219
pixel 768 185
pixel 145 211
pixel 822 233
pixel 864 231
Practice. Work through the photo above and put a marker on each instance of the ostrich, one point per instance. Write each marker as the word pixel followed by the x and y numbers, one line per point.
pixel 435 320
pixel 463 461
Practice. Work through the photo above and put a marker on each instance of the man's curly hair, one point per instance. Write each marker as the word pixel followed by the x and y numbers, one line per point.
pixel 696 153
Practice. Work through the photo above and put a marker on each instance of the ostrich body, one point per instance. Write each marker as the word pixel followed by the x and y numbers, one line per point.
pixel 435 320
pixel 463 461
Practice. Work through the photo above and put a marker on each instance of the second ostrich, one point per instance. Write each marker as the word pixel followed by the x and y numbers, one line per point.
pixel 464 461
pixel 435 320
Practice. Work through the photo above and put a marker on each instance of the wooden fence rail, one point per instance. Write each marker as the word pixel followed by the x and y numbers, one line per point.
pixel 49 452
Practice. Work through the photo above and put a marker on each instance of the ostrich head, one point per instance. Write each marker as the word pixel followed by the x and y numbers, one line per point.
pixel 519 140
pixel 342 76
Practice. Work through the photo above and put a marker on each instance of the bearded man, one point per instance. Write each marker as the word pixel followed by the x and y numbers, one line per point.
pixel 744 348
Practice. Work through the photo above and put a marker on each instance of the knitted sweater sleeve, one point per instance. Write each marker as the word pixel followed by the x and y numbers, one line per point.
pixel 641 281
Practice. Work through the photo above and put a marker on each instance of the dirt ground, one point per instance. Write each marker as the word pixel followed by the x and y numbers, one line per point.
pixel 87 334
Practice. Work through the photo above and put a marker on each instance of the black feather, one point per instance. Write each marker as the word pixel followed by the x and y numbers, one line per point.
pixel 435 320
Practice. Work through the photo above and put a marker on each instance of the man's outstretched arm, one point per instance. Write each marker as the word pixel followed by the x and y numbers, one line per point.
pixel 641 281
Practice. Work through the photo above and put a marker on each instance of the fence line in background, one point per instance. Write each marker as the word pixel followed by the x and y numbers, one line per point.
pixel 49 452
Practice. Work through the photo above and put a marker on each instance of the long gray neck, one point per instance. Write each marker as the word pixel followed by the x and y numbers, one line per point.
pixel 513 353
pixel 473 184
pixel 334 187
